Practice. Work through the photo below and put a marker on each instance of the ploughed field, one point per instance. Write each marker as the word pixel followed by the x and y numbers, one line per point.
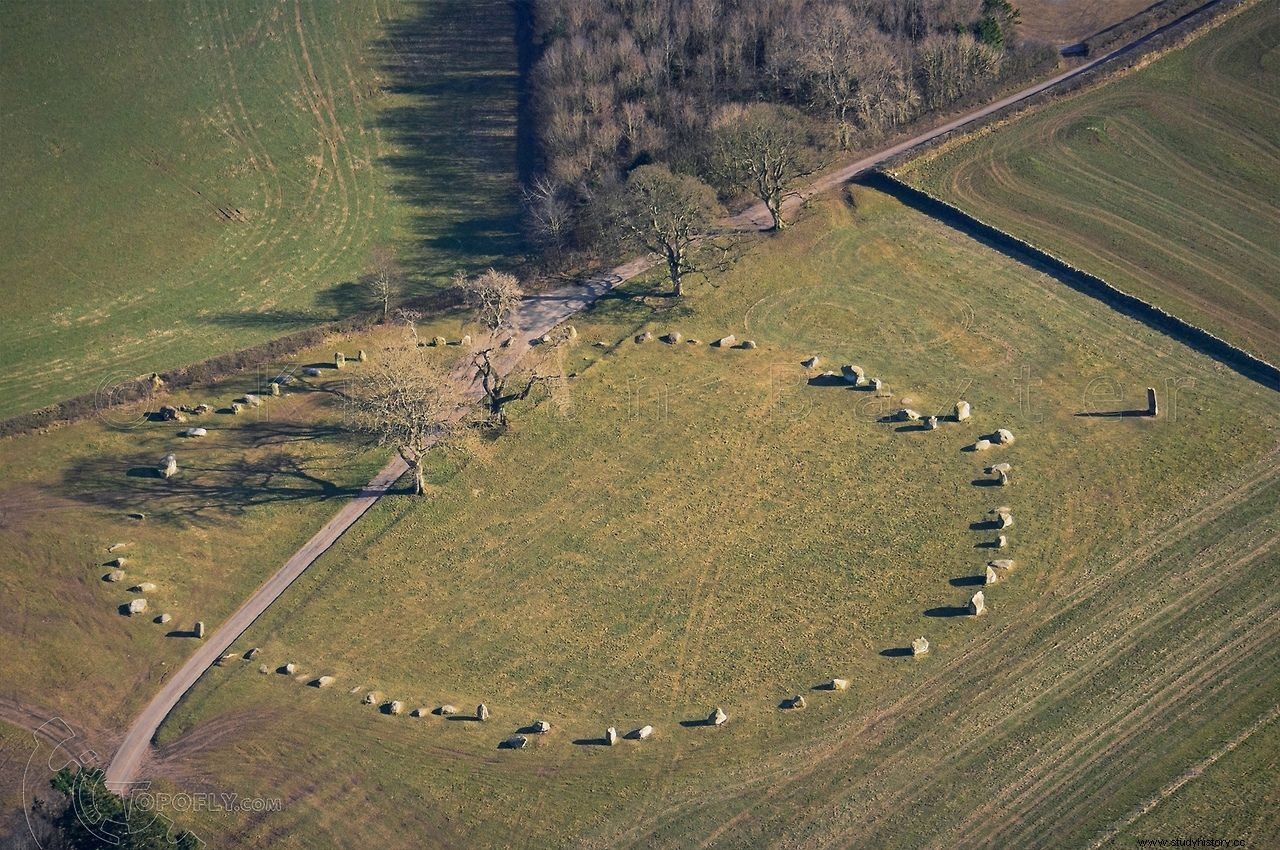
pixel 1165 183
pixel 687 527
pixel 184 179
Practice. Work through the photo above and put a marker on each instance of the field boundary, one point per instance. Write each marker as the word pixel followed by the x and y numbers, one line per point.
pixel 1249 365
pixel 1159 43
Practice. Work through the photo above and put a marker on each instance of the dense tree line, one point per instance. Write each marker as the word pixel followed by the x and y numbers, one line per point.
pixel 623 83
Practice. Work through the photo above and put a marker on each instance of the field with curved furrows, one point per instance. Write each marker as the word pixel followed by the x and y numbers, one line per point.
pixel 203 176
pixel 1165 183
pixel 690 527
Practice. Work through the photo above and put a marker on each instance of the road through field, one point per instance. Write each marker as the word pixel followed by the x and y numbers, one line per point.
pixel 539 313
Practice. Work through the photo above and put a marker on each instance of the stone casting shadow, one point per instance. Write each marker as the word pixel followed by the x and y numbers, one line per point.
pixel 968 581
pixel 947 611
pixel 896 652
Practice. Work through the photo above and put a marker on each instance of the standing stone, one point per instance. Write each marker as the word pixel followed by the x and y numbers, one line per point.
pixel 1005 564
pixel 571 332
pixel 810 362
pixel 672 338
pixel 749 344
pixel 611 736
pixel 877 386
pixel 156 382
pixel 198 631
pixel 982 445
pixel 838 685
pixel 1153 406
pixel 795 703
pixel 339 360
pixel 196 432
pixel 439 341
pixel 853 374
pixel 324 681
pixel 119 563
pixel 919 646
pixel 361 356
pixel 726 341
pixel 115 575
pixel 395 707
pixel 465 342
pixel 1002 478
pixel 145 587
pixel 482 712
pixel 1004 519
pixel 647 336
pixel 1002 542
pixel 164 618
pixel 1004 436
pixel 262 668
pixel 644 733
pixel 236 406
pixel 542 727
pixel 446 710
pixel 992 576
pixel 137 606
pixel 963 411
pixel 169 467
pixel 253 653
pixel 717 717
pixel 290 668
pixel 275 388
pixel 931 423
pixel 252 400
pixel 369 698
pixel 906 414
pixel 978 604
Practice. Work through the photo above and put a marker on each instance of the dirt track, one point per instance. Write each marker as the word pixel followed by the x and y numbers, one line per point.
pixel 540 313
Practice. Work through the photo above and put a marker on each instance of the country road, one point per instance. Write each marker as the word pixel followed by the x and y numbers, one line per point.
pixel 538 314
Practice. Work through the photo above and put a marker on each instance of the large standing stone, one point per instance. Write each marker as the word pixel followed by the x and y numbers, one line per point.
pixel 1002 542
pixel 198 631
pixel 1153 405
pixel 1004 436
pixel 963 411
pixel 144 587
pixel 439 341
pixel 906 414
pixel 795 703
pixel 482 712
pixel 878 386
pixel 362 356
pixel 647 336
pixel 168 466
pixel 164 618
pixel 810 362
pixel 672 338
pixel 749 344
pixel 726 341
pixel 395 707
pixel 515 742
pixel 324 681
pixel 611 736
pixel 838 685
pixel 717 717
pixel 252 400
pixel 853 374
pixel 275 388
pixel 137 606
pixel 992 576
pixel 982 445
pixel 115 575
pixel 290 668
pixel 919 646
pixel 644 733
pixel 978 604
pixel 446 710
pixel 931 423
pixel 542 727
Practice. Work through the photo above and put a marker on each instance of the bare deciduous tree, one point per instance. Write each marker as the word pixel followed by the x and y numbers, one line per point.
pixel 666 214
pixel 501 389
pixel 762 149
pixel 383 277
pixel 494 295
pixel 405 400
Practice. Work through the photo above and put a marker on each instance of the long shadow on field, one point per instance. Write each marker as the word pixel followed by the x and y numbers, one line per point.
pixel 1088 284
pixel 452 65
pixel 247 466
pixel 896 652
pixel 947 611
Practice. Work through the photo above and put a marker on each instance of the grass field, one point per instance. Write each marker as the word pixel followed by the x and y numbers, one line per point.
pixel 694 527
pixel 1165 182
pixel 198 177
pixel 1069 21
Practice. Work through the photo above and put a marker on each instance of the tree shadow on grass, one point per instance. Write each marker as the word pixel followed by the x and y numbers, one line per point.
pixel 249 468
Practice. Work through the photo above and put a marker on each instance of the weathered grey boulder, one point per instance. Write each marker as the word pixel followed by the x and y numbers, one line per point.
pixel 672 338
pixel 515 742
pixel 252 400
pixel 999 467
pixel 794 703
pixel 168 466
pixel 198 631
pixel 541 727
pixel 982 445
pixel 978 604
pixel 290 668
pixel 571 332
pixel 115 575
pixel 726 341
pixel 546 339
pixel 992 576
pixel 339 360
pixel 482 712
pixel 137 606
pixel 749 344
pixel 197 432
pixel 119 563
pixel 446 710
pixel 395 707
pixel 1006 564
pixel 324 681
pixel 906 414
pixel 853 374
pixel 717 717
pixel 1004 436
pixel 644 733
pixel 262 668
pixel 611 736
pixel 164 618
pixel 362 356
pixel 647 336
pixel 810 362
pixel 369 698
pixel 439 341
pixel 144 587
pixel 963 411
pixel 275 388
pixel 838 685
pixel 931 423
pixel 919 646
